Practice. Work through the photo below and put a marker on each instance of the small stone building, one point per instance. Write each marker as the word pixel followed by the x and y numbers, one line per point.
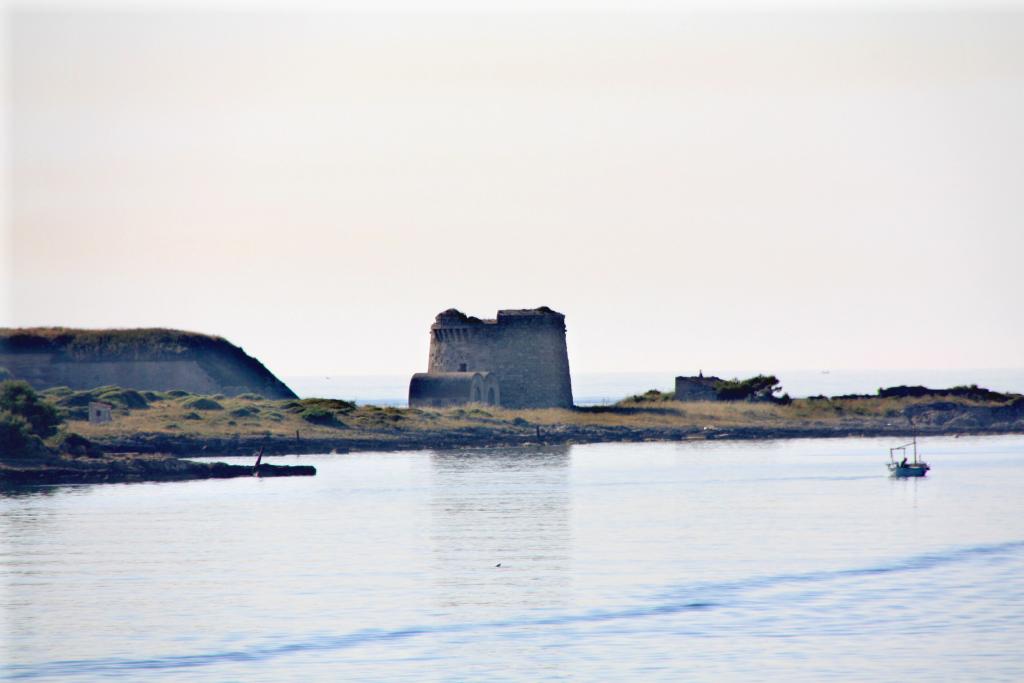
pixel 99 412
pixel 699 388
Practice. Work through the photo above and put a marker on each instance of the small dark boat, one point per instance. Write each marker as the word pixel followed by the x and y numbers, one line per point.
pixel 903 467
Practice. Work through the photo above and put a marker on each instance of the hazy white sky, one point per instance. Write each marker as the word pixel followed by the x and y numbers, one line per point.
pixel 693 190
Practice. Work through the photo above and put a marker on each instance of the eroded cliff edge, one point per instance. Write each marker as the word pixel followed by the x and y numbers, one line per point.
pixel 152 359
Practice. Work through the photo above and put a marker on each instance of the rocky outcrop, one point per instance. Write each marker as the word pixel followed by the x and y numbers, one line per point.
pixel 951 415
pixel 143 359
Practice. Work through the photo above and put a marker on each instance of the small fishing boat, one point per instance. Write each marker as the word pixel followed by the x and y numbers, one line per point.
pixel 903 467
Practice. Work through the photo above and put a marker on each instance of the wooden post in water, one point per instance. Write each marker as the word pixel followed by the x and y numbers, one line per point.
pixel 256 467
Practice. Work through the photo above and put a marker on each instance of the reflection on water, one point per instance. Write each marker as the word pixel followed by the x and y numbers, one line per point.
pixel 507 507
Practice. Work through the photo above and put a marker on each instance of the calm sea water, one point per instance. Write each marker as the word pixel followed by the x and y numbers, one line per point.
pixel 788 560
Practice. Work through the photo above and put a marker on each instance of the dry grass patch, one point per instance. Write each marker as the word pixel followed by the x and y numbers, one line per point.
pixel 249 415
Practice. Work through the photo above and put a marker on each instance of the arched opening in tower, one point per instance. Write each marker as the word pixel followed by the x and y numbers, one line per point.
pixel 490 396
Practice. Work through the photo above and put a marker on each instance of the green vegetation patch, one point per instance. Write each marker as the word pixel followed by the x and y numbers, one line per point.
pixel 244 411
pixel 320 411
pixel 375 417
pixel 335 405
pixel 125 398
pixel 651 396
pixel 17 439
pixel 318 416
pixel 25 420
pixel 20 399
pixel 77 401
pixel 972 392
pixel 761 387
pixel 202 403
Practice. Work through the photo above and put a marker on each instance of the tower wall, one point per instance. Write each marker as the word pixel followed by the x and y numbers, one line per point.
pixel 525 349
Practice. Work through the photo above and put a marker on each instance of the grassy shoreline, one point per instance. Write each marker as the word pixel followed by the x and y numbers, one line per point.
pixel 185 424
pixel 152 434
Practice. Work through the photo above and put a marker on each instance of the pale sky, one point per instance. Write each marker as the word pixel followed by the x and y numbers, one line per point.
pixel 776 190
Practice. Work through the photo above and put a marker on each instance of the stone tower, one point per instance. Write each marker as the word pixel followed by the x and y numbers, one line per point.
pixel 521 354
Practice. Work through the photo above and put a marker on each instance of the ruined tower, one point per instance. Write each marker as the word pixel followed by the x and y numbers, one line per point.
pixel 517 360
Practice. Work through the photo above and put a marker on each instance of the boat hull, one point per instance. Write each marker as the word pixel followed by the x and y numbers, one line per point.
pixel 908 471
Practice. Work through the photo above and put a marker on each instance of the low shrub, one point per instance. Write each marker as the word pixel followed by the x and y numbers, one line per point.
pixel 203 403
pixel 761 387
pixel 77 399
pixel 17 439
pixel 244 412
pixel 117 396
pixel 125 398
pixel 335 405
pixel 972 392
pixel 650 396
pixel 320 416
pixel 20 400
pixel 76 444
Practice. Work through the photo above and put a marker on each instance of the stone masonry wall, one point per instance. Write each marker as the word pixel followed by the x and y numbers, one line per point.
pixel 154 359
pixel 696 388
pixel 42 371
pixel 525 349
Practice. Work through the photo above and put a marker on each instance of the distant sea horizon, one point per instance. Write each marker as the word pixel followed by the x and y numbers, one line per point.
pixel 602 388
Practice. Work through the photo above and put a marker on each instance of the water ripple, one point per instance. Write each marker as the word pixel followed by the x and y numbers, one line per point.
pixel 677 600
